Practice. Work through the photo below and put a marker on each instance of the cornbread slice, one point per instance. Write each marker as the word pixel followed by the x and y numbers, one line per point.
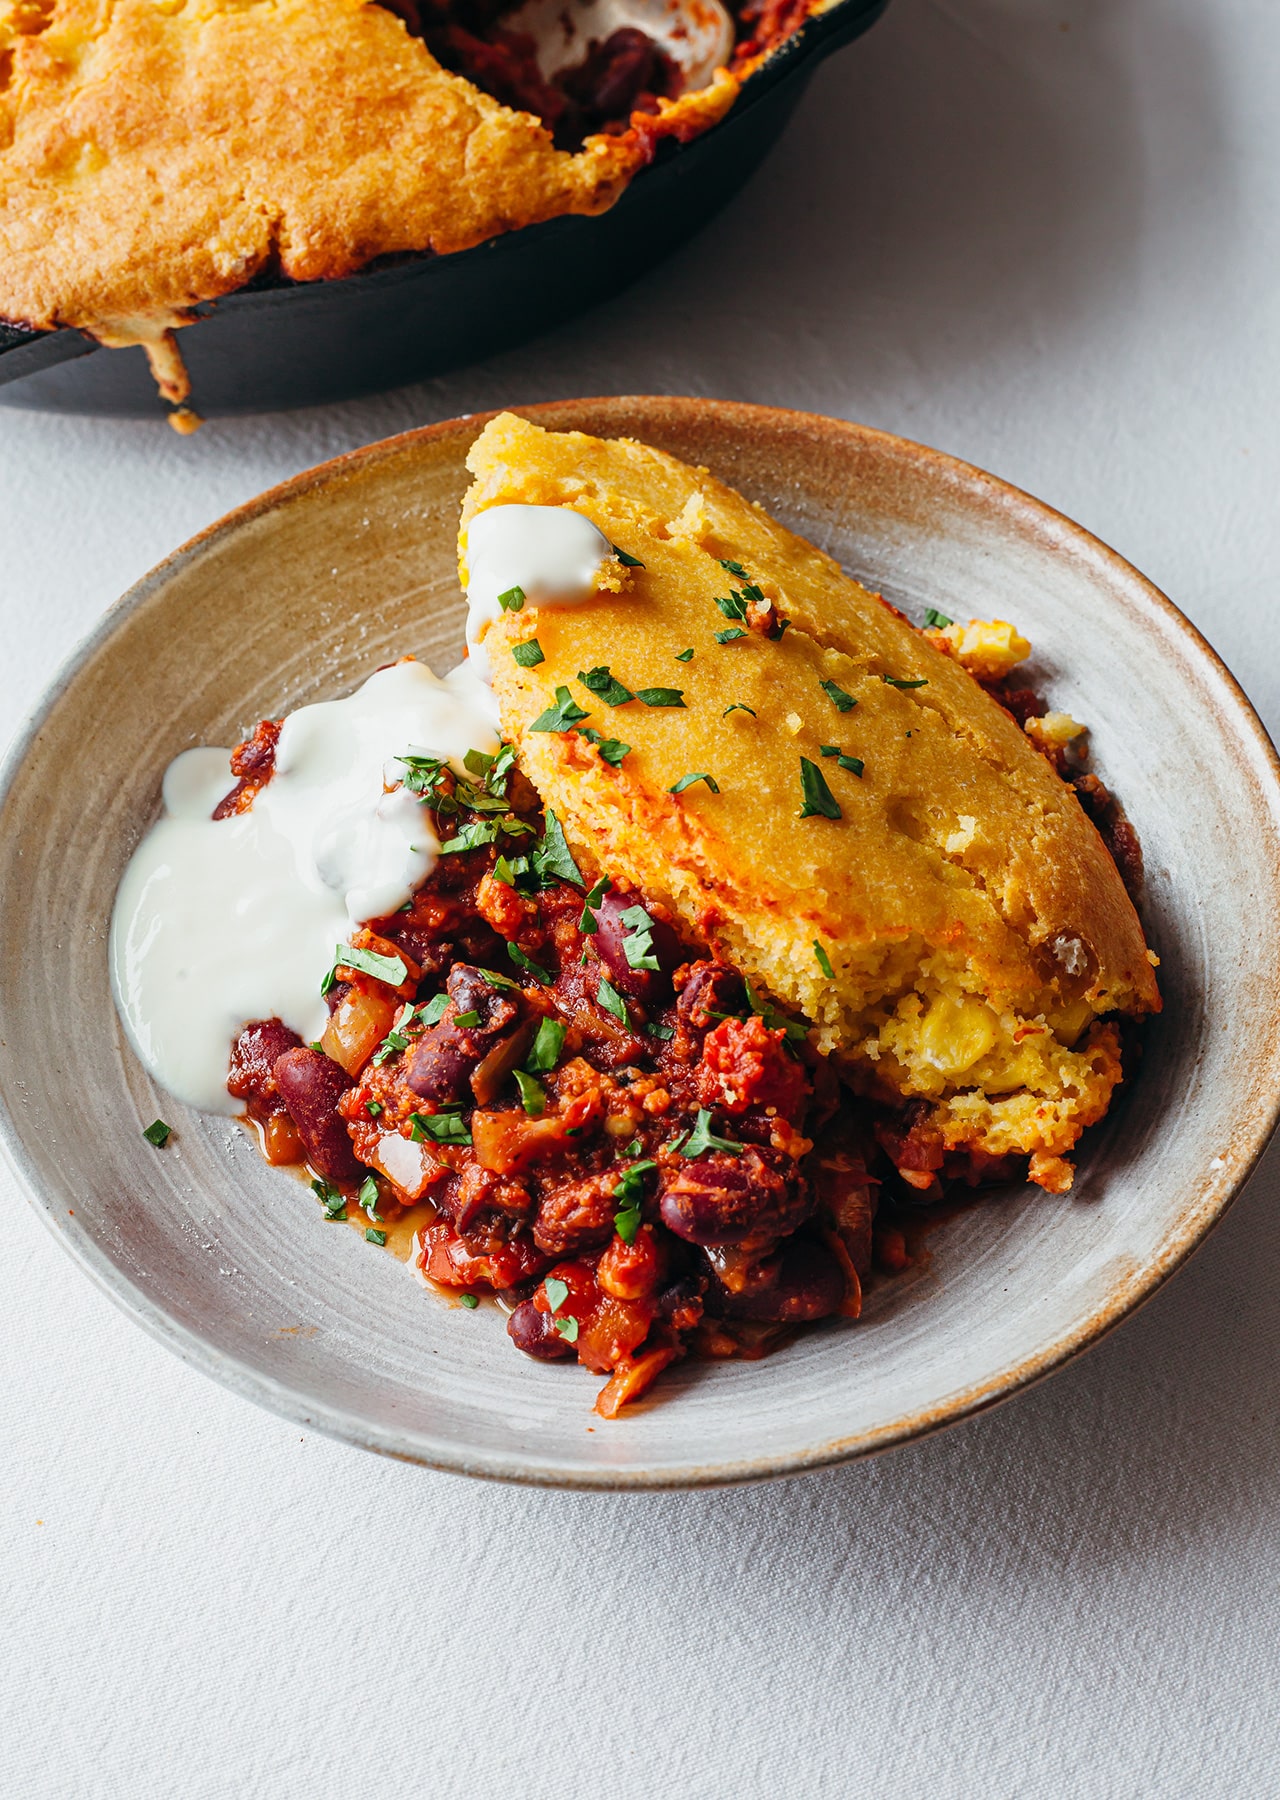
pixel 976 929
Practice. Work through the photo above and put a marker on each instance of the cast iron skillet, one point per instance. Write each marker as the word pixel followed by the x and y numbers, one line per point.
pixel 275 344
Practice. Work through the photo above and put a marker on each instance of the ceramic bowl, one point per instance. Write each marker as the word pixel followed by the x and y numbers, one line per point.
pixel 303 593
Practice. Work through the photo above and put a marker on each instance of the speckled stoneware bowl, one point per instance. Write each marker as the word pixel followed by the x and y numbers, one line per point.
pixel 298 597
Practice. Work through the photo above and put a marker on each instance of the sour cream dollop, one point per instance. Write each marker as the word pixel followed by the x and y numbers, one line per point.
pixel 218 922
pixel 553 554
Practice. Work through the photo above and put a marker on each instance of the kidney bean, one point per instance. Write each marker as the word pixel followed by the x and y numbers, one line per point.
pixel 646 985
pixel 806 1283
pixel 533 1332
pixel 252 763
pixel 710 988
pixel 253 1061
pixel 576 1216
pixel 723 1199
pixel 311 1086
pixel 445 1057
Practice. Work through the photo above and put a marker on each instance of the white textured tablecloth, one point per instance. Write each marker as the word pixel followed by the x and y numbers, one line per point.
pixel 1042 234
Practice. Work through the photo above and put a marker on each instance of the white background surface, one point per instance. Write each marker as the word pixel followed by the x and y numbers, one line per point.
pixel 1041 234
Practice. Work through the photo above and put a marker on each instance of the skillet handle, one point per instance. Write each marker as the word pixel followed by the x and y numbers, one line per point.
pixel 27 352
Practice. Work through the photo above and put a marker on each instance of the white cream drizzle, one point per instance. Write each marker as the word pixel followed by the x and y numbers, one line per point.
pixel 551 553
pixel 218 922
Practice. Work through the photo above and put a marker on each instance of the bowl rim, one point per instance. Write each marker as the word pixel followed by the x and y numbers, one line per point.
pixel 335 1421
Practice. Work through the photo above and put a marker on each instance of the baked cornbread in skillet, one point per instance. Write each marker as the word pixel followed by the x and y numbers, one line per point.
pixel 981 942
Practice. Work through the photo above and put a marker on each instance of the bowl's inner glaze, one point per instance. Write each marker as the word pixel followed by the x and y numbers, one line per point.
pixel 300 597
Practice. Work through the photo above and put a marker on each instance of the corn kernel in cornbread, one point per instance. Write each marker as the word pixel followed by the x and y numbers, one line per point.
pixel 976 929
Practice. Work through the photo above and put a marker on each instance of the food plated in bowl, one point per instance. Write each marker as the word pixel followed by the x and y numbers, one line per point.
pixel 233 1260
pixel 436 194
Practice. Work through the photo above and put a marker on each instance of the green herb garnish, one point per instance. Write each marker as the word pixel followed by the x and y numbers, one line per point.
pixel 660 696
pixel 373 1236
pixel 685 655
pixel 533 1096
pixel 605 685
pixel 469 1301
pixel 545 1052
pixel 612 1002
pixel 839 699
pixel 552 858
pixel 529 654
pixel 817 796
pixel 557 1292
pixel 530 967
pixel 368 1197
pixel 733 568
pixel 373 1108
pixel 854 764
pixel 467 1020
pixel 158 1133
pixel 739 707
pixel 824 961
pixel 702 1138
pixel 664 1032
pixel 637 945
pixel 687 781
pixel 383 968
pixel 733 605
pixel 792 1029
pixel 893 681
pixel 439 1128
pixel 728 637
pixel 588 923
pixel 512 600
pixel 562 716
pixel 568 1329
pixel 434 1010
pixel 472 837
pixel 612 750
pixel 938 620
pixel 626 559
pixel 500 981
pixel 331 1199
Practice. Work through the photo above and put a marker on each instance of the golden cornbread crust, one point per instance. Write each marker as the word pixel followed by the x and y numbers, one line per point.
pixel 156 154
pixel 977 928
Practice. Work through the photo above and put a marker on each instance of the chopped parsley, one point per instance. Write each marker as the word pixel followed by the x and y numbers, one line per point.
pixel 568 1329
pixel 626 1222
pixel 702 1138
pixel 664 1032
pixel 732 568
pixel 557 1292
pixel 373 1108
pixel 545 1052
pixel 605 686
pixel 739 707
pixel 612 750
pixel 633 1148
pixel 499 981
pixel 824 961
pixel 612 1002
pixel 839 699
pixel 512 600
pixel 728 637
pixel 637 945
pixel 469 1301
pixel 792 1029
pixel 854 764
pixel 478 762
pixel 660 696
pixel 562 716
pixel 687 781
pixel 472 837
pixel 467 1020
pixel 893 681
pixel 631 1183
pixel 367 1198
pixel 588 923
pixel 551 856
pixel 366 962
pixel 439 1128
pixel 529 654
pixel 685 655
pixel 817 796
pixel 527 963
pixel 628 561
pixel 733 605
pixel 331 1199
pixel 158 1133
pixel 434 1010
pixel 533 1096
pixel 937 620
pixel 510 870
pixel 373 1236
